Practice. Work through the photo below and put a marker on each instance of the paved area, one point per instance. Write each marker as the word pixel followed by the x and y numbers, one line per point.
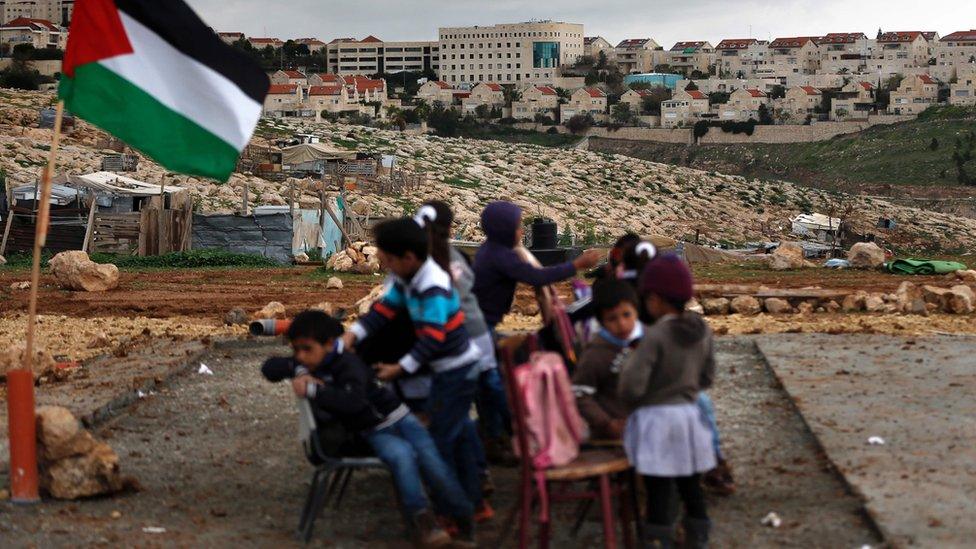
pixel 220 465
pixel 915 394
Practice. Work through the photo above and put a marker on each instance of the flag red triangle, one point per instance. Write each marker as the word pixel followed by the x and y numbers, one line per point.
pixel 96 33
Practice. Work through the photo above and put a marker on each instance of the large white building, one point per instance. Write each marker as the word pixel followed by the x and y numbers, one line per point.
pixel 348 56
pixel 530 52
pixel 55 11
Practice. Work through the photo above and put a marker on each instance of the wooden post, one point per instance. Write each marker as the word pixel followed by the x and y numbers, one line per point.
pixel 244 204
pixel 20 393
pixel 6 231
pixel 291 199
pixel 336 219
pixel 159 218
pixel 91 226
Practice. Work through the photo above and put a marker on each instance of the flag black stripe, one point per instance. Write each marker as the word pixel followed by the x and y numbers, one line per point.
pixel 177 24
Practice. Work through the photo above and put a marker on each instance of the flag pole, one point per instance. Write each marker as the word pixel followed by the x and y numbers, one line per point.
pixel 20 382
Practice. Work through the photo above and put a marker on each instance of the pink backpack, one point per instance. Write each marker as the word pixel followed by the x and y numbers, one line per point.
pixel 553 426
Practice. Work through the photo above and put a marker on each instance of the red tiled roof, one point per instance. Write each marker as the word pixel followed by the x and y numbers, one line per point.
pixel 310 41
pixel 841 37
pixel 792 42
pixel 493 86
pixel 441 84
pixel 326 77
pixel 546 90
pixel 736 43
pixel 755 93
pixel 810 90
pixel 31 22
pixel 926 79
pixel 293 74
pixel 929 35
pixel 371 38
pixel 591 39
pixel 696 94
pixel 960 36
pixel 633 42
pixel 362 83
pixel 230 34
pixel 282 89
pixel 866 85
pixel 685 45
pixel 341 40
pixel 265 40
pixel 595 92
pixel 325 90
pixel 899 36
pixel 461 94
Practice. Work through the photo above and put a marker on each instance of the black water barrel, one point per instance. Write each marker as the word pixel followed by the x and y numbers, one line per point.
pixel 544 234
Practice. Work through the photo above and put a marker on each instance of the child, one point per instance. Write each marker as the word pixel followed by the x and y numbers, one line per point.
pixel 341 386
pixel 423 289
pixel 667 438
pixel 497 268
pixel 615 305
pixel 437 217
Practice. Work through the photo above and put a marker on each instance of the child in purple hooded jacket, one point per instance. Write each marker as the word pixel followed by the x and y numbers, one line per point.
pixel 498 268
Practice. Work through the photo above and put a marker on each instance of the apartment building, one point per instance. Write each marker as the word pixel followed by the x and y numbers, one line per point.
pixel 330 98
pixel 314 44
pixel 263 42
pixel 799 102
pixel 902 51
pixel 39 33
pixel 283 98
pixel 635 98
pixel 594 45
pixel 536 100
pixel 740 57
pixel 290 76
pixel 846 52
pixel 348 56
pixel 638 55
pixel 436 91
pixel 727 85
pixel 792 55
pixel 855 101
pixel 592 101
pixel 231 37
pixel 963 91
pixel 684 108
pixel 743 104
pixel 532 52
pixel 490 94
pixel 691 57
pixel 57 12
pixel 954 53
pixel 915 94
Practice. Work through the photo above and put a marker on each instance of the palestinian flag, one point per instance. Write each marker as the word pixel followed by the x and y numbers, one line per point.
pixel 154 75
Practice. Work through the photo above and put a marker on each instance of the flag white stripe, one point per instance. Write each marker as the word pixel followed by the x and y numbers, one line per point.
pixel 185 85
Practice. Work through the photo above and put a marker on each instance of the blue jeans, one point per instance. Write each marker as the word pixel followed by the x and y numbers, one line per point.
pixel 493 404
pixel 708 412
pixel 455 435
pixel 410 453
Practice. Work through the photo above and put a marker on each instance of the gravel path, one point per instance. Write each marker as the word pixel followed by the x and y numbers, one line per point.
pixel 220 465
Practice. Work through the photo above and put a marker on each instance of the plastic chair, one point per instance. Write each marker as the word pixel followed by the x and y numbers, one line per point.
pixel 332 474
pixel 606 473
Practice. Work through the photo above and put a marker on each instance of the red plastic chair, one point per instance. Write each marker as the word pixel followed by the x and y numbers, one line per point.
pixel 605 472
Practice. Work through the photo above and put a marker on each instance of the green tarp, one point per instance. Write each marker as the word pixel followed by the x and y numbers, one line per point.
pixel 923 267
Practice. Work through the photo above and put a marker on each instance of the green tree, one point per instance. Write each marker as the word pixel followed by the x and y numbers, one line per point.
pixel 651 104
pixel 621 114
pixel 601 60
pixel 579 123
pixel 482 111
pixel 444 121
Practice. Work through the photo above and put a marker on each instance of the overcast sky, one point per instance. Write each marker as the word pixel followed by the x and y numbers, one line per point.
pixel 666 22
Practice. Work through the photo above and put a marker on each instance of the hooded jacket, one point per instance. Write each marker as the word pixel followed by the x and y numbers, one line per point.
pixel 497 268
pixel 350 392
pixel 673 362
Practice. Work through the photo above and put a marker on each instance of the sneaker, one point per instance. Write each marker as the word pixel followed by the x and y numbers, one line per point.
pixel 719 480
pixel 427 534
pixel 448 524
pixel 484 512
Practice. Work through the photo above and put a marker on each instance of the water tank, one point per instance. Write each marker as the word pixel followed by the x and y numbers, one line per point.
pixel 544 234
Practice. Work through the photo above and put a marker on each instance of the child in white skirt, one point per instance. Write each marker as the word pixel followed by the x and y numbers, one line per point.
pixel 667 438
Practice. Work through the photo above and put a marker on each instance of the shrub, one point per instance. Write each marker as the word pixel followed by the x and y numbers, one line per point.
pixel 579 123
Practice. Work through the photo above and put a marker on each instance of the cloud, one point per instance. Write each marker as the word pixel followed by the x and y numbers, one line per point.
pixel 667 23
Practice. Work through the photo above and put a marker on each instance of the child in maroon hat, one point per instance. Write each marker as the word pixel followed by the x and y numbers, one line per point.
pixel 667 437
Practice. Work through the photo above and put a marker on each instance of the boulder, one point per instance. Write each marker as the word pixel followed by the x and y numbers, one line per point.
pixel 272 310
pixel 934 294
pixel 866 255
pixel 25 285
pixel 777 306
pixel 909 299
pixel 745 305
pixel 960 300
pixel 695 307
pixel 853 302
pixel 235 316
pixel 334 283
pixel 789 255
pixel 13 358
pixel 301 257
pixel 75 271
pixel 805 307
pixel 325 307
pixel 831 306
pixel 874 303
pixel 968 276
pixel 3 260
pixel 716 306
pixel 59 434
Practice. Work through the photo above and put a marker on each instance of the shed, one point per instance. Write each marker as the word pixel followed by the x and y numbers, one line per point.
pixel 313 156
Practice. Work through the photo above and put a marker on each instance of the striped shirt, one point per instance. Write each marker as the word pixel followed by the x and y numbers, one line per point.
pixel 435 310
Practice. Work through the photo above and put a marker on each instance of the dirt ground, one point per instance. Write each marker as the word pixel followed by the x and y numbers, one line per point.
pixel 219 462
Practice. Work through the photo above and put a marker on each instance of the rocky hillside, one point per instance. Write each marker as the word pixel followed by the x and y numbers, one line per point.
pixel 593 195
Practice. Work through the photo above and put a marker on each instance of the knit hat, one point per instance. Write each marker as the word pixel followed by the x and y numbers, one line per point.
pixel 667 276
pixel 500 220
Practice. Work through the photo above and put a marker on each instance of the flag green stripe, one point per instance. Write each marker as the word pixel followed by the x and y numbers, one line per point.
pixel 117 106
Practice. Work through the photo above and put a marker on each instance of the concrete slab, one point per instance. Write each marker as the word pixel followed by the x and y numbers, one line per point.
pixel 914 393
